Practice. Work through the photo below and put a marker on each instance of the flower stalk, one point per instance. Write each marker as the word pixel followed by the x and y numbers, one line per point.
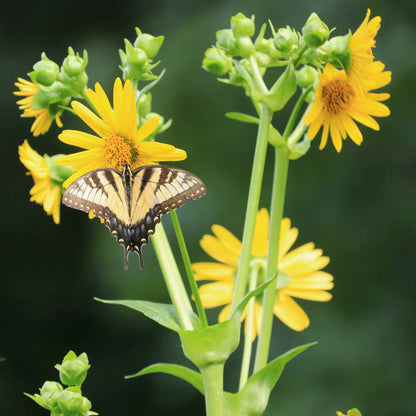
pixel 212 376
pixel 172 277
pixel 252 204
pixel 281 166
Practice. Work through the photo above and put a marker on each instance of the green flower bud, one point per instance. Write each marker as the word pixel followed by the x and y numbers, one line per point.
pixel 314 57
pixel 227 42
pixel 286 42
pixel 45 71
pixel 74 65
pixel 242 25
pixel 236 79
pixel 72 403
pixel 73 370
pixel 148 43
pixel 134 62
pixel 245 47
pixel 73 76
pixel 50 392
pixel 306 76
pixel 216 61
pixel 338 51
pixel 315 32
pixel 144 104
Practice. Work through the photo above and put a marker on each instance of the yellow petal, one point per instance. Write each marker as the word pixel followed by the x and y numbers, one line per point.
pixel 225 313
pixel 290 313
pixel 212 271
pixel 214 248
pixel 216 294
pixel 228 239
pixel 80 139
pixel 288 237
pixel 147 129
pixel 161 152
pixel 261 234
pixel 315 295
pixel 103 106
pixel 93 121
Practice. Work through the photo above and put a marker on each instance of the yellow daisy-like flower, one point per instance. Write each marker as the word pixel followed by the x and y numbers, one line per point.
pixel 364 71
pixel 302 265
pixel 42 121
pixel 339 104
pixel 44 192
pixel 118 141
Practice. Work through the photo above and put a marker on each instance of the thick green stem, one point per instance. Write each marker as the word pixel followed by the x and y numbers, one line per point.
pixel 172 277
pixel 212 376
pixel 276 213
pixel 188 268
pixel 252 205
pixel 245 364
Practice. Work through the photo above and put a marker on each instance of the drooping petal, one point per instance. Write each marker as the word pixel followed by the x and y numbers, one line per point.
pixel 290 313
pixel 214 248
pixel 212 271
pixel 228 239
pixel 216 294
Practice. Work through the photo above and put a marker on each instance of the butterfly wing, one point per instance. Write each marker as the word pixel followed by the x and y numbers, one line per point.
pixel 102 192
pixel 156 190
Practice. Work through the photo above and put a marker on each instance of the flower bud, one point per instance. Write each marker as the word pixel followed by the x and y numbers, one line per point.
pixel 134 62
pixel 266 46
pixel 338 51
pixel 73 64
pixel 45 71
pixel 50 392
pixel 144 105
pixel 245 47
pixel 242 25
pixel 216 61
pixel 227 42
pixel 148 43
pixel 73 75
pixel 315 32
pixel 73 370
pixel 306 76
pixel 286 42
pixel 73 403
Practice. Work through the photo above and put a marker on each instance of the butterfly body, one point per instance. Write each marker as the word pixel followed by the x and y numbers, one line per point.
pixel 132 202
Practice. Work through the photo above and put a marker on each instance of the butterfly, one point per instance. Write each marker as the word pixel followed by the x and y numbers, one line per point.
pixel 132 202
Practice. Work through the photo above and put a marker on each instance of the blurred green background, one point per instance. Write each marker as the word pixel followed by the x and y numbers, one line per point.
pixel 358 206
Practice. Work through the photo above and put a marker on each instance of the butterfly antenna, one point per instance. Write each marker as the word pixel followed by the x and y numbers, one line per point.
pixel 140 259
pixel 126 258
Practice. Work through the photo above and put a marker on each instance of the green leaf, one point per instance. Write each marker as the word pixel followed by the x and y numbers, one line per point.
pixel 192 377
pixel 257 291
pixel 163 314
pixel 253 398
pixel 283 89
pixel 244 118
pixel 213 344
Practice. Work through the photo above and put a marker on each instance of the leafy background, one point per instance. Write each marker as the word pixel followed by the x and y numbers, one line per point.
pixel 358 206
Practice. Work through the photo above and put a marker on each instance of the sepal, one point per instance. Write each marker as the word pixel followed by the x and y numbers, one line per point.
pixel 150 44
pixel 73 369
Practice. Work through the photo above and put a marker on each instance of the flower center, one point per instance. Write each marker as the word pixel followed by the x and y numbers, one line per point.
pixel 337 96
pixel 118 151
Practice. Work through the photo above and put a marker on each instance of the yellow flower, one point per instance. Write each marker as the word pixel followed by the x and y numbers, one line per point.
pixel 118 141
pixel 44 192
pixel 339 104
pixel 42 121
pixel 363 70
pixel 302 265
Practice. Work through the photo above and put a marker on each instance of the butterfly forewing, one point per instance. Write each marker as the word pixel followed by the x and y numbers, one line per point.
pixel 132 208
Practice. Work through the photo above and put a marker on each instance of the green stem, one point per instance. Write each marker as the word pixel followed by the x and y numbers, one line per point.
pixel 172 277
pixel 276 213
pixel 87 99
pixel 212 376
pixel 261 86
pixel 245 364
pixel 188 268
pixel 252 205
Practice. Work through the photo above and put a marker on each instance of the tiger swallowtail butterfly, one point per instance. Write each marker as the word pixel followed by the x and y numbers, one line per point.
pixel 132 202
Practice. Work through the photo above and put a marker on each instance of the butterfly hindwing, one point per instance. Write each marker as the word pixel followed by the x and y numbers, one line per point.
pixel 131 203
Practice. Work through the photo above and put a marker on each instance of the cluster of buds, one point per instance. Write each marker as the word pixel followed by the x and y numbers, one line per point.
pixel 67 401
pixel 57 85
pixel 137 59
pixel 236 46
